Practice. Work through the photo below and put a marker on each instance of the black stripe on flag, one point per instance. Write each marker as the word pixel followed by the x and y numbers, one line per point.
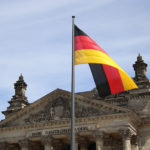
pixel 100 79
pixel 79 32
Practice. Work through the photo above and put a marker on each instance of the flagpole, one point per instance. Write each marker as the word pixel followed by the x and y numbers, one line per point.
pixel 72 92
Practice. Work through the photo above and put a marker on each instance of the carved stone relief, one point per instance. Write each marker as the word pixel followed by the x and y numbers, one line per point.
pixel 60 109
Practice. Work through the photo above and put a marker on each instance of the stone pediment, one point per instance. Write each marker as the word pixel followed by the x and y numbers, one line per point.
pixel 57 106
pixel 60 108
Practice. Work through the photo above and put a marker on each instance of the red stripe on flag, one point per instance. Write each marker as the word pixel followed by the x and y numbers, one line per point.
pixel 114 79
pixel 85 42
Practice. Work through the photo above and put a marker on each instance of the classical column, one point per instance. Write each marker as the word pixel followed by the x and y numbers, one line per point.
pixel 98 140
pixel 3 145
pixel 76 143
pixel 126 137
pixel 24 144
pixel 35 145
pixel 83 144
pixel 136 146
pixel 135 142
pixel 58 144
pixel 46 140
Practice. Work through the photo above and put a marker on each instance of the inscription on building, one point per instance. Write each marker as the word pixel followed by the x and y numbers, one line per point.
pixel 57 131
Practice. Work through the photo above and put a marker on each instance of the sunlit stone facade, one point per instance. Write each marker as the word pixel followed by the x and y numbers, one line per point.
pixel 116 122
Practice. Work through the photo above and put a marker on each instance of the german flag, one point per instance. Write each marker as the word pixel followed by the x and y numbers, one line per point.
pixel 108 76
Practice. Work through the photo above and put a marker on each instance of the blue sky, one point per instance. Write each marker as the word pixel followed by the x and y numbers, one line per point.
pixel 35 40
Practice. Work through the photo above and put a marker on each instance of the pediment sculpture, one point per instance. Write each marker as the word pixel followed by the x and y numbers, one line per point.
pixel 60 108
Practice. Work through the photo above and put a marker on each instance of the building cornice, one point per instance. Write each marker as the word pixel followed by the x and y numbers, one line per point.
pixel 80 121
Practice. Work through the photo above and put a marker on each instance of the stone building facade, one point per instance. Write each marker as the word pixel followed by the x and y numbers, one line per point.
pixel 116 122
